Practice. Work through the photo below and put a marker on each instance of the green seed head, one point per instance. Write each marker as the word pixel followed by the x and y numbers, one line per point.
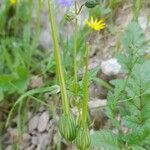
pixel 83 139
pixel 91 3
pixel 69 16
pixel 67 127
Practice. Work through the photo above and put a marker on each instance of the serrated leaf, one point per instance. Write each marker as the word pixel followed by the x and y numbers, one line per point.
pixel 132 122
pixel 139 138
pixel 134 40
pixel 141 74
pixel 105 139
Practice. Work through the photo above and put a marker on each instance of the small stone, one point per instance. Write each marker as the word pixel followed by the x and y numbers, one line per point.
pixel 98 117
pixel 8 148
pixel 29 115
pixel 44 140
pixel 43 121
pixel 24 145
pixel 36 81
pixel 111 67
pixel 33 123
pixel 6 139
pixel 33 133
pixel 45 40
pixel 49 125
pixel 32 147
pixel 143 22
pixel 13 135
pixel 35 140
pixel 26 137
pixel 41 109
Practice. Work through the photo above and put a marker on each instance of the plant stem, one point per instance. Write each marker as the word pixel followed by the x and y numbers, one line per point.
pixel 59 69
pixel 85 90
pixel 137 9
pixel 75 49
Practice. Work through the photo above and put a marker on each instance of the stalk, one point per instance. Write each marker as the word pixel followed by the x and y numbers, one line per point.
pixel 137 9
pixel 59 69
pixel 85 90
pixel 75 49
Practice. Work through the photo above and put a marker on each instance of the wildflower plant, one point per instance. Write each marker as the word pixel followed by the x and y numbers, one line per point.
pixel 70 128
pixel 128 98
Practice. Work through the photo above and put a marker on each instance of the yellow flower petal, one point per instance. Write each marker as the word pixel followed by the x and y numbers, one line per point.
pixel 95 24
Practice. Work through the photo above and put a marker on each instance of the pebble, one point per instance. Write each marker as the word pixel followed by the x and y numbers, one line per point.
pixel 98 117
pixel 32 147
pixel 111 67
pixel 35 140
pixel 42 108
pixel 26 137
pixel 45 41
pixel 142 20
pixel 43 121
pixel 36 81
pixel 49 125
pixel 44 140
pixel 8 148
pixel 33 123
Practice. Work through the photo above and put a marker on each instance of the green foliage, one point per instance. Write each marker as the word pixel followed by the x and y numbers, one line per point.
pixel 134 44
pixel 14 82
pixel 100 11
pixel 114 3
pixel 105 139
pixel 130 97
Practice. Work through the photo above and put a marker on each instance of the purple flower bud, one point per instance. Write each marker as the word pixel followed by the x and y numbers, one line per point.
pixel 65 3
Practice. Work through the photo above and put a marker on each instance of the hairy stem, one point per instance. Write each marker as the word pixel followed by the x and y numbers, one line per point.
pixel 85 90
pixel 75 50
pixel 59 69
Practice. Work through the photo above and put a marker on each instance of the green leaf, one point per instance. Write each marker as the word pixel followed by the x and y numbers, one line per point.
pixel 14 82
pixel 105 139
pixel 135 45
pixel 134 40
pixel 136 147
pixel 139 138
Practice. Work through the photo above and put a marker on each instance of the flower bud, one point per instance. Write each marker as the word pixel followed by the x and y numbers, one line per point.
pixel 91 3
pixel 67 127
pixel 83 141
pixel 69 16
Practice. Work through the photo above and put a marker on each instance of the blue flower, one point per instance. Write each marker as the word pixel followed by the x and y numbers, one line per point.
pixel 65 3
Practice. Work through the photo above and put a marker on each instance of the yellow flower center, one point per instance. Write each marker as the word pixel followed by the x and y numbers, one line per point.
pixel 96 24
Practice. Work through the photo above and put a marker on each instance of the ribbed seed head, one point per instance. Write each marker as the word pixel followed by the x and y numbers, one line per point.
pixel 69 16
pixel 83 141
pixel 67 127
pixel 91 3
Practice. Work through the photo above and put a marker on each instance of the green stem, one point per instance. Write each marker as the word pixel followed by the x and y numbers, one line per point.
pixel 85 90
pixel 75 50
pixel 59 69
pixel 137 8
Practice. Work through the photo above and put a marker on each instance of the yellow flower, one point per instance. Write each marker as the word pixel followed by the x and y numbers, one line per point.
pixel 13 2
pixel 96 24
